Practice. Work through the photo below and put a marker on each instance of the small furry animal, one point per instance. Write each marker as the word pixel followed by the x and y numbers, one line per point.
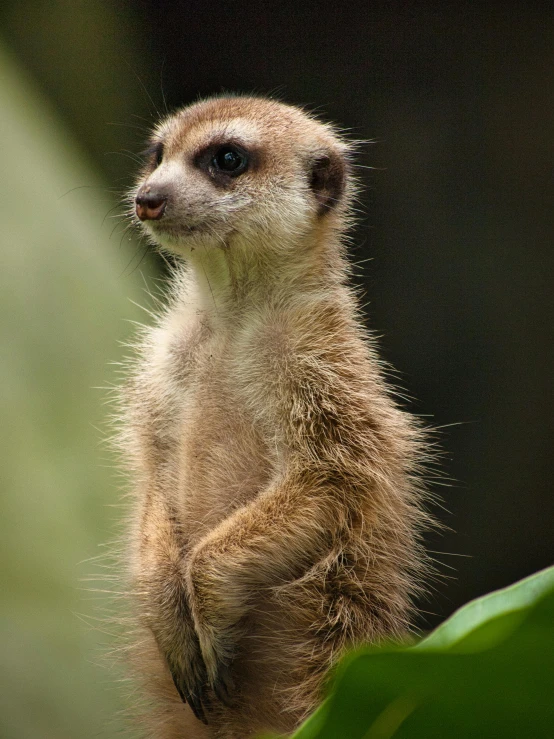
pixel 277 511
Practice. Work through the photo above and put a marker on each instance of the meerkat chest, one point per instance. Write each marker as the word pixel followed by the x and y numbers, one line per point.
pixel 217 451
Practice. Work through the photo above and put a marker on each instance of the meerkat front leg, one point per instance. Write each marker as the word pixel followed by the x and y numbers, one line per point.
pixel 271 540
pixel 166 603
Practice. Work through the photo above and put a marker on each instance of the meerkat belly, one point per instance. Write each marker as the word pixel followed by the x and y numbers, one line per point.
pixel 224 459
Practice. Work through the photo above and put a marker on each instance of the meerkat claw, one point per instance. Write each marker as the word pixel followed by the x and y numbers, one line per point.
pixel 192 685
pixel 197 708
pixel 224 686
pixel 193 700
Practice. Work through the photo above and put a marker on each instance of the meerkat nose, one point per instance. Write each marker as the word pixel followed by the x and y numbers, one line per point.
pixel 150 204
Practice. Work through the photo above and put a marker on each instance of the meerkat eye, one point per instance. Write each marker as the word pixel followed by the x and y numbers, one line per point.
pixel 230 160
pixel 154 154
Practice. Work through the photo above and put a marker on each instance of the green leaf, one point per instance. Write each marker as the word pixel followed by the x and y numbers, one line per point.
pixel 488 674
pixel 474 614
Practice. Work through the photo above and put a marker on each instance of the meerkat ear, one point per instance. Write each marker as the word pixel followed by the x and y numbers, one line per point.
pixel 327 180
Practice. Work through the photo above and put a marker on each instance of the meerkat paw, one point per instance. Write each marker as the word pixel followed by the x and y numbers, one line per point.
pixel 218 662
pixel 190 678
pixel 216 622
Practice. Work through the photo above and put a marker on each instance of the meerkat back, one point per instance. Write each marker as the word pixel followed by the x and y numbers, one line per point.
pixel 276 511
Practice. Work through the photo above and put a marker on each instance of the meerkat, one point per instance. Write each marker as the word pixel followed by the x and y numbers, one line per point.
pixel 277 506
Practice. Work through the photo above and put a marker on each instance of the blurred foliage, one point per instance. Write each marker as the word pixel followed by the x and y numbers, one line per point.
pixel 486 672
pixel 91 59
pixel 64 289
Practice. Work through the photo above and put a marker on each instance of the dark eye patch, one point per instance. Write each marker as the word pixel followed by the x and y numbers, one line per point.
pixel 224 161
pixel 154 153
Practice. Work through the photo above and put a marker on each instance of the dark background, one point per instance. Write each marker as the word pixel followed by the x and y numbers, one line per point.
pixel 457 207
pixel 458 99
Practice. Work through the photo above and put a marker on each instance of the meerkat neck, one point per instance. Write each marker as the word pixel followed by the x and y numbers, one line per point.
pixel 244 274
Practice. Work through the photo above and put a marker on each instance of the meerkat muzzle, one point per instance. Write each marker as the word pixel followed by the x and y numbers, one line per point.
pixel 149 206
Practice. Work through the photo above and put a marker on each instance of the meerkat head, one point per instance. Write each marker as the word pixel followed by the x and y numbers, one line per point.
pixel 241 169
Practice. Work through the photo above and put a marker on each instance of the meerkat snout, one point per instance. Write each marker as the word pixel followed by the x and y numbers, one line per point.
pixel 150 205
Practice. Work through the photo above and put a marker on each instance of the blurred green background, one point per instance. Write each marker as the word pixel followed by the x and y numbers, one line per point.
pixel 458 225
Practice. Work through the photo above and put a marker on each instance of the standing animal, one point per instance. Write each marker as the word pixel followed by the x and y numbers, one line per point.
pixel 277 495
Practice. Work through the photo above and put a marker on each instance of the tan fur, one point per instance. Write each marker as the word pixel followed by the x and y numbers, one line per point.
pixel 277 508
